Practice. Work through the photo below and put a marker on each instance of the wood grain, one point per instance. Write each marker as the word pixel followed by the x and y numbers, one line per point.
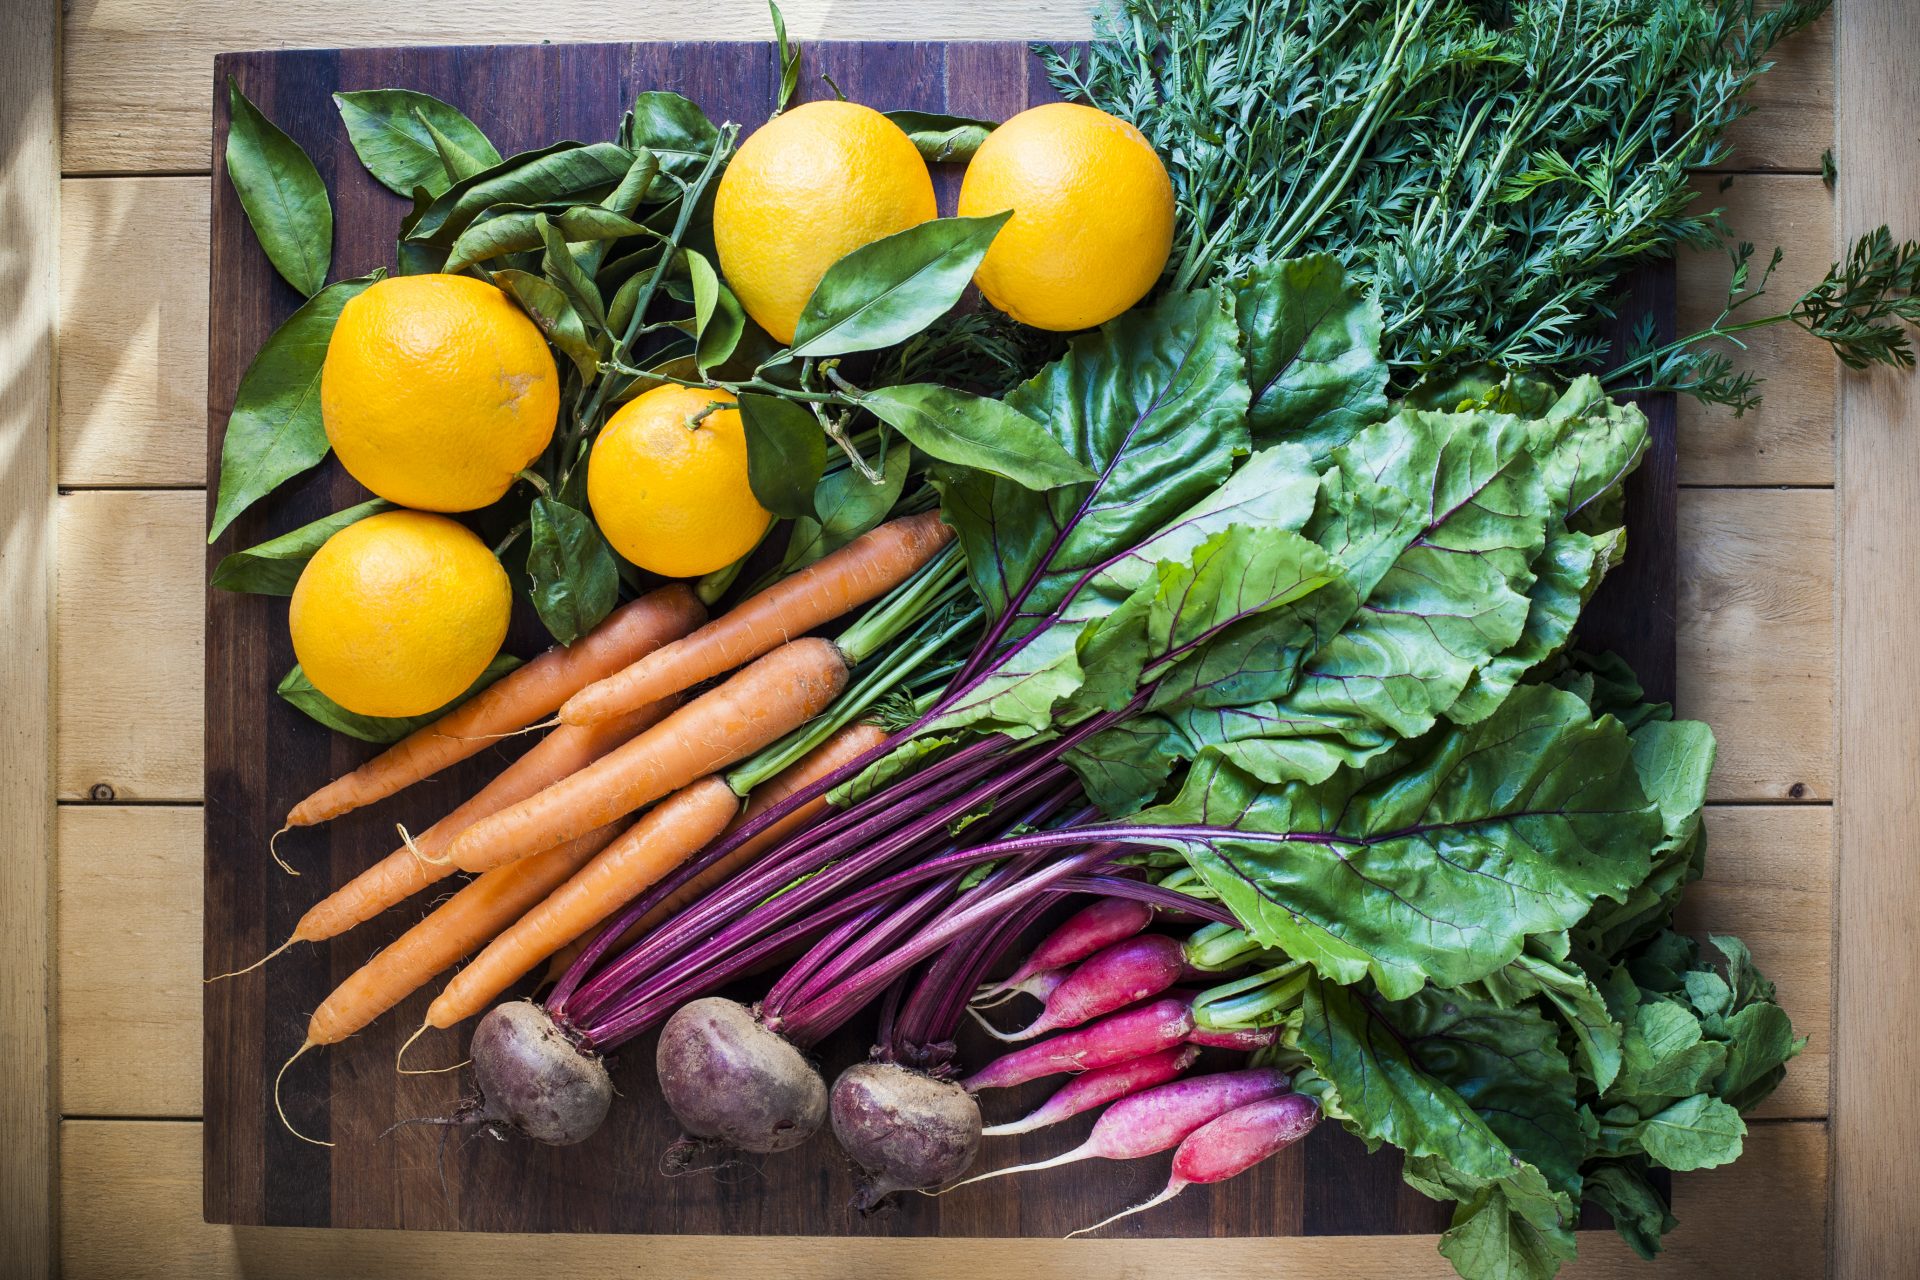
pixel 128 667
pixel 1792 117
pixel 129 947
pixel 1788 440
pixel 30 213
pixel 136 87
pixel 1756 637
pixel 1876 1183
pixel 133 297
pixel 131 1212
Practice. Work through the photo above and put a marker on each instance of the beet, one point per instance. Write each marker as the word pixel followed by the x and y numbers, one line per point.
pixel 904 1128
pixel 729 1079
pixel 534 1079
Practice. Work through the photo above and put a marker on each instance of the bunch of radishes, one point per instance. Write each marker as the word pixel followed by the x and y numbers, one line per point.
pixel 1107 987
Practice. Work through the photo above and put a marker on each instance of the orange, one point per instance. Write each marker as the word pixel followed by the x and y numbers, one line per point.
pixel 397 614
pixel 809 187
pixel 436 390
pixel 1092 217
pixel 672 495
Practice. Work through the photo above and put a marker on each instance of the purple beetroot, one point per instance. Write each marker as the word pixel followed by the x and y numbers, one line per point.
pixel 534 1079
pixel 729 1079
pixel 906 1129
pixel 1161 1117
pixel 1098 1088
pixel 1112 978
pixel 1230 1144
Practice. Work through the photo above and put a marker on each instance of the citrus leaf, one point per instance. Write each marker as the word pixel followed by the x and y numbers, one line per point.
pixel 674 129
pixel 393 132
pixel 564 172
pixel 271 568
pixel 575 582
pixel 943 139
pixel 504 229
pixel 298 690
pixel 848 504
pixel 789 56
pixel 556 317
pixel 281 191
pixel 563 273
pixel 973 431
pixel 275 430
pixel 786 452
pixel 887 291
pixel 718 319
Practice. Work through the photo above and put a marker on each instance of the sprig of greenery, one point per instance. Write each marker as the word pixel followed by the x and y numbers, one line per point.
pixel 1860 309
pixel 1488 169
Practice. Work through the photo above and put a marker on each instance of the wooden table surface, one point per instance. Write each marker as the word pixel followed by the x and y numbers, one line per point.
pixel 100 670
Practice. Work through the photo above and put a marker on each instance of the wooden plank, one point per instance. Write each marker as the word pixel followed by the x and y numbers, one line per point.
pixel 131 1210
pixel 1788 440
pixel 129 630
pixel 1876 1183
pixel 1756 637
pixel 136 83
pixel 1769 882
pixel 133 297
pixel 30 195
pixel 129 948
pixel 1792 119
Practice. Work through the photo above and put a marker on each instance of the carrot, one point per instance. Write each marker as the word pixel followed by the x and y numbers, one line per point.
pixel 766 700
pixel 848 744
pixel 666 835
pixel 863 570
pixel 455 928
pixel 406 871
pixel 512 702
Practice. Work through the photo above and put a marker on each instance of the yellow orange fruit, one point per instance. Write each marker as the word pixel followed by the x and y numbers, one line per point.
pixel 1092 216
pixel 436 390
pixel 669 492
pixel 809 187
pixel 397 614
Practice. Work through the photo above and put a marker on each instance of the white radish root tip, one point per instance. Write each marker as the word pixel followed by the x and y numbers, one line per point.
pixel 1174 1188
pixel 1068 1157
pixel 221 977
pixel 274 853
pixel 1002 1036
pixel 281 1074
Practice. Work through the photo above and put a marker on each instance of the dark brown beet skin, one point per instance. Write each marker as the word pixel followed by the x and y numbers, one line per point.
pixel 905 1128
pixel 730 1079
pixel 534 1079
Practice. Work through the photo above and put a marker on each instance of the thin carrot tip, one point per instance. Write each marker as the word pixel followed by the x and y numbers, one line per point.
pixel 274 853
pixel 422 1071
pixel 279 1108
pixel 220 977
pixel 406 838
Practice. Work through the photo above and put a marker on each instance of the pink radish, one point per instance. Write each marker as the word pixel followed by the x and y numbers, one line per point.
pixel 1097 1088
pixel 1229 1145
pixel 1159 1118
pixel 1132 1033
pixel 1246 1039
pixel 1110 979
pixel 1086 931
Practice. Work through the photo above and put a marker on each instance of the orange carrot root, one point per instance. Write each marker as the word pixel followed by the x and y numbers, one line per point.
pixel 512 703
pixel 863 570
pixel 221 977
pixel 280 1075
pixel 757 705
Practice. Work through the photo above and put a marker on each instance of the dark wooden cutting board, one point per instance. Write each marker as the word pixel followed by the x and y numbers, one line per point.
pixel 261 756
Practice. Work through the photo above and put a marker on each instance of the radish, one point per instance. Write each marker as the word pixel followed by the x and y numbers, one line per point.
pixel 1093 927
pixel 1159 1118
pixel 731 1080
pixel 1246 1039
pixel 1113 978
pixel 1132 1033
pixel 1039 986
pixel 1230 1144
pixel 1097 1088
pixel 904 1128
